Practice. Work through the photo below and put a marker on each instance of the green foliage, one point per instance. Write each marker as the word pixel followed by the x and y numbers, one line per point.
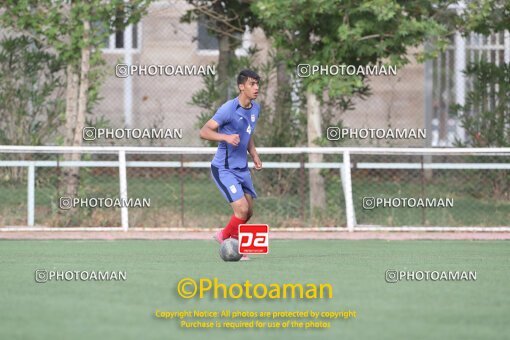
pixel 485 115
pixel 283 128
pixel 31 92
pixel 206 98
pixel 357 32
pixel 226 17
pixel 486 16
pixel 283 119
pixel 230 18
pixel 227 21
pixel 59 24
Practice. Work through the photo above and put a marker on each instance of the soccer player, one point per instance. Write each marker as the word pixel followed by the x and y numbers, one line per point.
pixel 233 126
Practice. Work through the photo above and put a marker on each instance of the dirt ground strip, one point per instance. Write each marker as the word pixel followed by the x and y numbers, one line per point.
pixel 285 235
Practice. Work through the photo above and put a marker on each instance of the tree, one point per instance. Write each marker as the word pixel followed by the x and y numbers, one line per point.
pixel 31 88
pixel 485 115
pixel 75 32
pixel 358 32
pixel 485 16
pixel 31 108
pixel 227 20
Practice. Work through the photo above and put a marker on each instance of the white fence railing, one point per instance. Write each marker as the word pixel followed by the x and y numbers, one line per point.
pixel 344 168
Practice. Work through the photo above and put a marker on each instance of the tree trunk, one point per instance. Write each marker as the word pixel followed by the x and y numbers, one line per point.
pixel 71 104
pixel 283 103
pixel 283 88
pixel 316 181
pixel 75 113
pixel 223 62
pixel 71 112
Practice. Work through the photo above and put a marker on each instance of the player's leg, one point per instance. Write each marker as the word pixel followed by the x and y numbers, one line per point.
pixel 244 208
pixel 240 216
pixel 249 190
pixel 241 209
pixel 249 194
pixel 229 186
pixel 249 199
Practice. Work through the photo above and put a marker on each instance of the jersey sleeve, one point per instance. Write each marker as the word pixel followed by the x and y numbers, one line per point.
pixel 222 116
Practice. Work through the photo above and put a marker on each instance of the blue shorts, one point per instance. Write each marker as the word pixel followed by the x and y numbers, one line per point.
pixel 233 184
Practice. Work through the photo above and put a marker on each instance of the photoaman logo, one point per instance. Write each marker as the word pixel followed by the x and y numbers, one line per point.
pixel 253 239
pixel 188 288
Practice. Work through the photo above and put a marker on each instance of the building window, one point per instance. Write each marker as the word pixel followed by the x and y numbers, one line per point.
pixel 116 43
pixel 206 41
pixel 208 44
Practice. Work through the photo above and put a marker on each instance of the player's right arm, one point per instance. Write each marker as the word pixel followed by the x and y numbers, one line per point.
pixel 210 132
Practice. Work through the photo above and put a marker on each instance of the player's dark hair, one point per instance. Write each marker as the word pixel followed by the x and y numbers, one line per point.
pixel 245 74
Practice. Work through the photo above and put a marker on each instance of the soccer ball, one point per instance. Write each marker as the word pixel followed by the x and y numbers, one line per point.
pixel 228 250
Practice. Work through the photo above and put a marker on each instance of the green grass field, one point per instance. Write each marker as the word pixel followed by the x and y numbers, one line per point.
pixel 355 269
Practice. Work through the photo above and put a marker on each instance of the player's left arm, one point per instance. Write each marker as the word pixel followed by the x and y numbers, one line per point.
pixel 254 155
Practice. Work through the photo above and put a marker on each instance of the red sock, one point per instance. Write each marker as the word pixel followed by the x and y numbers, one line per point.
pixel 232 228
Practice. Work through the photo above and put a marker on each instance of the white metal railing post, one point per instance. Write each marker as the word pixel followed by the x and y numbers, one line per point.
pixel 128 81
pixel 506 45
pixel 460 79
pixel 124 213
pixel 349 206
pixel 31 195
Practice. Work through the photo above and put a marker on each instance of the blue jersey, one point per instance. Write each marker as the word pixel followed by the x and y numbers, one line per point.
pixel 234 119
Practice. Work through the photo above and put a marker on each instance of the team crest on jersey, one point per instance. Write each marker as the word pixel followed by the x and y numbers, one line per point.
pixel 253 118
pixel 249 129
